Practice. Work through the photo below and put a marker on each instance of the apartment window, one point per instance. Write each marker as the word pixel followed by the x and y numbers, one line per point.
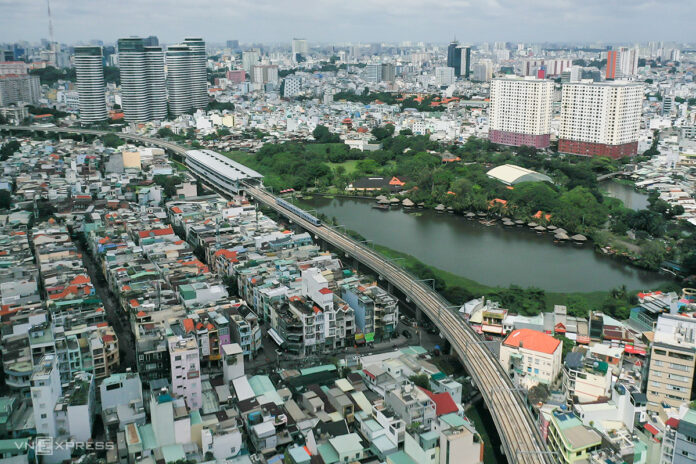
pixel 685 357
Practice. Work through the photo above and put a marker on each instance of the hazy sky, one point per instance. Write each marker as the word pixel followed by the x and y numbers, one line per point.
pixel 352 20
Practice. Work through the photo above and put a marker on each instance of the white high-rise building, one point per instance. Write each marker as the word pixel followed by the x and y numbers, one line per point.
pixel 199 74
pixel 628 61
pixel 265 74
pixel 19 89
pixel 444 76
pixel 520 111
pixel 89 69
pixel 186 370
pixel 483 71
pixel 250 59
pixel 299 49
pixel 143 89
pixel 373 72
pixel 187 82
pixel 600 118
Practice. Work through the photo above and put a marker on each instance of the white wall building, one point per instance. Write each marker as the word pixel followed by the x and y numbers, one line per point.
pixel 186 370
pixel 600 119
pixel 520 112
pixel 532 356
pixel 45 392
pixel 444 75
pixel 233 362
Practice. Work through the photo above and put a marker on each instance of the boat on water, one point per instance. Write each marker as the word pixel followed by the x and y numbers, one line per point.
pixel 381 206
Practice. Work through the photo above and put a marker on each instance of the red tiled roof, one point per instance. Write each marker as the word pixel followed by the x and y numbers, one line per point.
pixel 188 324
pixel 156 232
pixel 325 291
pixel 80 279
pixel 444 403
pixel 532 340
pixel 651 428
pixel 672 422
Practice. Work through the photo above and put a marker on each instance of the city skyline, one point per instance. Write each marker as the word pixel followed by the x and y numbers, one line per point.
pixel 390 21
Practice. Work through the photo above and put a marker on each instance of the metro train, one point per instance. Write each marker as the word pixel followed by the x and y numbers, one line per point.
pixel 299 211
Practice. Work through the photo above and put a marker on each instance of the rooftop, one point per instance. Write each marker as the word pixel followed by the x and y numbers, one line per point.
pixel 532 340
pixel 510 174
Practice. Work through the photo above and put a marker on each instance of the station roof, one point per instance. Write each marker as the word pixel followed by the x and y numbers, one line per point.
pixel 223 165
pixel 510 174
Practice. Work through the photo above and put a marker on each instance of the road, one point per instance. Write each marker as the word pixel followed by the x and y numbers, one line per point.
pixel 522 442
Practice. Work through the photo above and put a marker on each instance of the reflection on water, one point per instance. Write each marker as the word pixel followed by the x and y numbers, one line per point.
pixel 626 193
pixel 489 255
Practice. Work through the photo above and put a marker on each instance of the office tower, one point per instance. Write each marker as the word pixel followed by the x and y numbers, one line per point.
pixel 671 371
pixel 454 57
pixel 187 82
pixel 143 90
pixel 151 41
pixel 299 50
pixel 15 89
pixel 249 59
pixel 373 72
pixel 465 61
pixel 621 63
pixel 483 71
pixel 233 44
pixel 388 72
pixel 199 73
pixel 265 74
pixel 89 69
pixel 600 119
pixel 444 76
pixel 7 55
pixel 520 112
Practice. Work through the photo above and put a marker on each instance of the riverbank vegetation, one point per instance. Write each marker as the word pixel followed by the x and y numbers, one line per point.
pixel 574 201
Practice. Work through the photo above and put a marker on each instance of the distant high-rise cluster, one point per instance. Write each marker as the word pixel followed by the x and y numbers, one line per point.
pixel 143 90
pixel 622 63
pixel 89 69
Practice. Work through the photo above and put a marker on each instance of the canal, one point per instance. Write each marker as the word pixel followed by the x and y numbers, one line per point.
pixel 626 193
pixel 493 256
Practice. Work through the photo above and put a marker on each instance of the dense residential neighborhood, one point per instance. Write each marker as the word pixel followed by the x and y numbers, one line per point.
pixel 169 293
